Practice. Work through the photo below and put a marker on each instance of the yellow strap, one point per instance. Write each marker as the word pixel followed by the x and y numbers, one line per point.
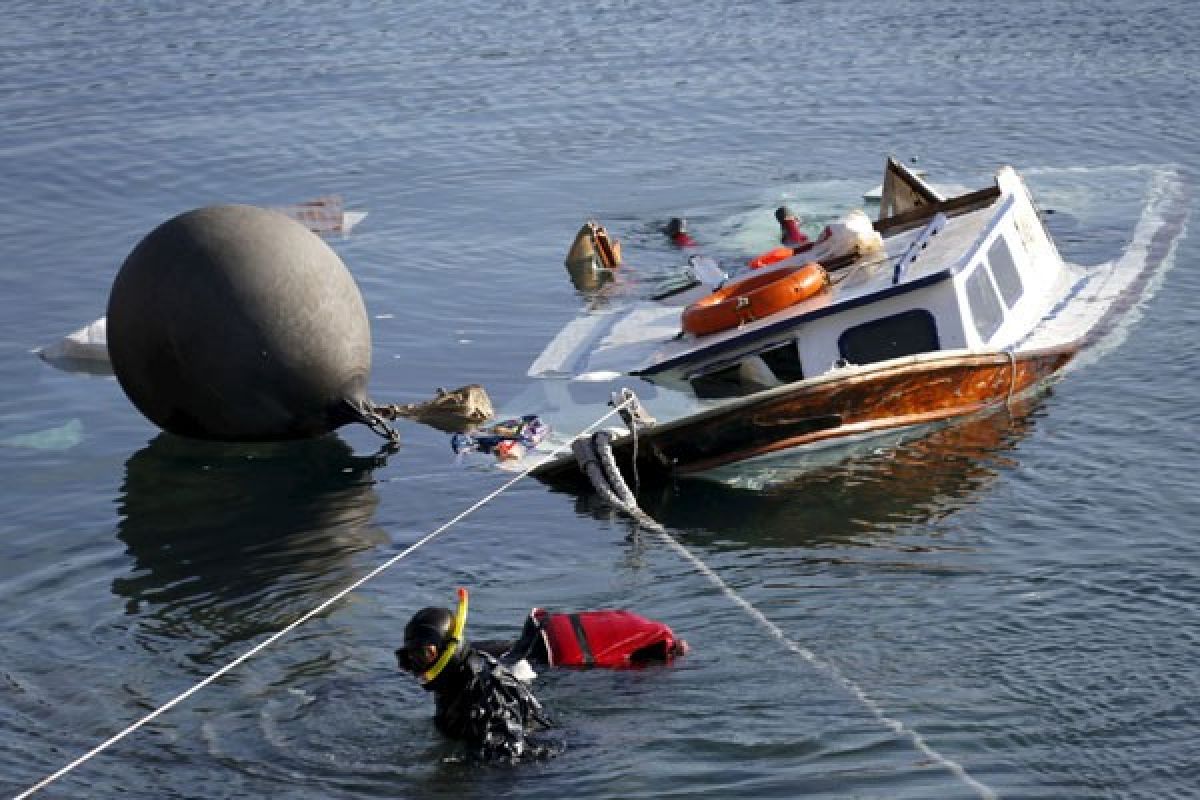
pixel 460 623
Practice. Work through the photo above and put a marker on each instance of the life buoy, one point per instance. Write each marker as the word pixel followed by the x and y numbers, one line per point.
pixel 770 257
pixel 753 298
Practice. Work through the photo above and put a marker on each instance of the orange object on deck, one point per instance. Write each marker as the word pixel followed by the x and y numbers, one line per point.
pixel 771 256
pixel 753 298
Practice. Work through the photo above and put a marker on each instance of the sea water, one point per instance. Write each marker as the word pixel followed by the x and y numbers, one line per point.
pixel 1020 591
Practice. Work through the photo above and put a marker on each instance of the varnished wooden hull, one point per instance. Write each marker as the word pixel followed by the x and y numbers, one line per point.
pixel 916 391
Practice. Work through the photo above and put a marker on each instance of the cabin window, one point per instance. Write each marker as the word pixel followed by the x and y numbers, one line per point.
pixel 1004 271
pixel 718 383
pixel 985 305
pixel 903 334
pixel 783 361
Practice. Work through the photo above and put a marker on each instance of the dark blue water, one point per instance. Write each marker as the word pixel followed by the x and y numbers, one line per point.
pixel 1019 593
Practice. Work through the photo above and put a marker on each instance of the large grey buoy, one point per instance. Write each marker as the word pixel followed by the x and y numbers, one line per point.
pixel 237 323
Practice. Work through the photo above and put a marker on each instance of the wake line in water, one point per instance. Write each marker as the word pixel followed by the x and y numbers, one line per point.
pixel 1142 269
pixel 1116 169
pixel 1104 301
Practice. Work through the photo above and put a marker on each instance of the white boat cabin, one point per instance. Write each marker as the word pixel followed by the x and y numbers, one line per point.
pixel 979 280
pixel 971 273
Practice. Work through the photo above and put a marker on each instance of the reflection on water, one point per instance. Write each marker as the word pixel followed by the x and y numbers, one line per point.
pixel 886 488
pixel 230 540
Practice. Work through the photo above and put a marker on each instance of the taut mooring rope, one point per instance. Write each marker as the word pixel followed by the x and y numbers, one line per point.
pixel 597 451
pixel 179 698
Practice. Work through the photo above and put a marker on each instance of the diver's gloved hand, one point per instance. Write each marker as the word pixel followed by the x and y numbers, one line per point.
pixel 522 671
pixel 531 646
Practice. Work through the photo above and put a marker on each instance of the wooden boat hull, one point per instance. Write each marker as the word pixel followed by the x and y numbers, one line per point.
pixel 915 391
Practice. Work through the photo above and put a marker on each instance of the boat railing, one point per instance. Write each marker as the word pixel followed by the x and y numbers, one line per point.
pixel 955 206
pixel 935 226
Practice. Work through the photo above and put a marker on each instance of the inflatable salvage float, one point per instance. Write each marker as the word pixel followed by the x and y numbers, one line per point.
pixel 86 349
pixel 237 323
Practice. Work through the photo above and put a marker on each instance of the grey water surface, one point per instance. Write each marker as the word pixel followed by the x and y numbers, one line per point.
pixel 1016 596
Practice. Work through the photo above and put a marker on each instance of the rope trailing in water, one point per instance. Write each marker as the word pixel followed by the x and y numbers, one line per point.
pixel 1012 378
pixel 601 468
pixel 179 698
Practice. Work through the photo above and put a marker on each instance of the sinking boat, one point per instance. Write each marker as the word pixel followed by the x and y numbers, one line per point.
pixel 961 305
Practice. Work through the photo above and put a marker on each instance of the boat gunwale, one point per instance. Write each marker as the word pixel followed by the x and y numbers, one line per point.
pixel 865 373
pixel 852 377
pixel 872 426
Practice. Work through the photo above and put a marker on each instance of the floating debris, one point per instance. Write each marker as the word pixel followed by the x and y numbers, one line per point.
pixel 592 257
pixel 456 410
pixel 324 215
pixel 62 437
pixel 508 440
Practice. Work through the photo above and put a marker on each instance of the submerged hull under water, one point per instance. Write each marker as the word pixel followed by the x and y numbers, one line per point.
pixel 836 410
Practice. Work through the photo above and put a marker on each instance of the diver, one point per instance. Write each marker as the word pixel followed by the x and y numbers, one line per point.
pixel 477 699
pixel 481 692
pixel 677 232
pixel 789 227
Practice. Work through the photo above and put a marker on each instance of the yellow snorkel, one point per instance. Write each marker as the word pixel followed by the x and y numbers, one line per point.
pixel 460 622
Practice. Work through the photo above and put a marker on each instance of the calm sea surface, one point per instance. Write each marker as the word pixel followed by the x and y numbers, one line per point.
pixel 1007 608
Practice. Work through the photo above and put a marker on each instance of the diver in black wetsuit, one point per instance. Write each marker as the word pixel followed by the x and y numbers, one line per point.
pixel 478 699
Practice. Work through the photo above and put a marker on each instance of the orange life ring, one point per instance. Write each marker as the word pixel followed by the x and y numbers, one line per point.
pixel 752 298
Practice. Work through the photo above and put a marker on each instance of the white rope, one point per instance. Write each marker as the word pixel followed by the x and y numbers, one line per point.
pixel 1012 378
pixel 896 726
pixel 303 619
